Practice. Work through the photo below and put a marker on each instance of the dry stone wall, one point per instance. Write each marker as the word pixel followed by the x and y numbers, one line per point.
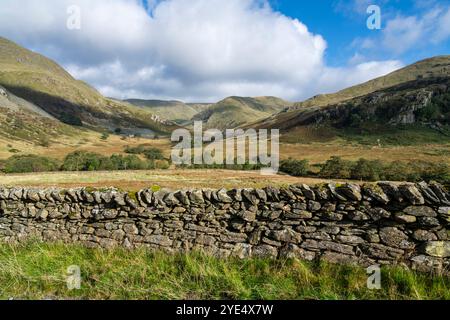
pixel 382 223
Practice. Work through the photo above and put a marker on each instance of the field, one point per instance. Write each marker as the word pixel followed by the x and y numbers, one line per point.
pixel 38 271
pixel 173 178
pixel 87 140
pixel 316 152
pixel 320 152
pixel 136 180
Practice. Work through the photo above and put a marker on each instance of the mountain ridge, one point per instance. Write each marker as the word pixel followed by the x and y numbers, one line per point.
pixel 42 82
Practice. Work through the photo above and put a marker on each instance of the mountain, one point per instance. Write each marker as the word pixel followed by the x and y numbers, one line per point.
pixel 238 111
pixel 47 86
pixel 173 110
pixel 429 68
pixel 22 120
pixel 417 109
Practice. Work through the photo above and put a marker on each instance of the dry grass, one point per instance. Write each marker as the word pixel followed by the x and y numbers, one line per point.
pixel 172 179
pixel 88 140
pixel 316 152
pixel 320 152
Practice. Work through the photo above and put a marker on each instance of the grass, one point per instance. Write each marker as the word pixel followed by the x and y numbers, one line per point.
pixel 173 179
pixel 87 140
pixel 38 271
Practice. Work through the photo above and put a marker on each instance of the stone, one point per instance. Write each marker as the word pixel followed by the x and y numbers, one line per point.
pixel 351 191
pixel 322 193
pixel 264 251
pixel 298 214
pixel 358 216
pixel 236 194
pixel 428 222
pixel 382 227
pixel 250 195
pixel 205 240
pixel 332 187
pixel 196 197
pixel 410 192
pixel 307 192
pixel 404 218
pixel 379 251
pixel 393 237
pixel 420 211
pixel 272 193
pixel 293 251
pixel 109 213
pixel 119 198
pixel 440 249
pixel 178 210
pixel 242 250
pixel 378 214
pixel 314 206
pixel 42 214
pixel 33 196
pixel 171 200
pixel 279 235
pixel 130 229
pixel 424 235
pixel 350 239
pixel 326 245
pixel 160 240
pixel 261 194
pixel 339 258
pixel 427 192
pixel 182 197
pixel 444 213
pixel 158 197
pixel 223 196
pixel 318 236
pixel 377 193
pixel 333 216
pixel 424 263
pixel 233 237
pixel 440 192
pixel 247 215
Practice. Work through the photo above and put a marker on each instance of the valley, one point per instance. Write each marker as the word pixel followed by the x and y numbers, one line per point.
pixel 401 117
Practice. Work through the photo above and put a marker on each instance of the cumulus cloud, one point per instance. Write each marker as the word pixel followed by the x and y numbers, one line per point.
pixel 193 50
pixel 429 27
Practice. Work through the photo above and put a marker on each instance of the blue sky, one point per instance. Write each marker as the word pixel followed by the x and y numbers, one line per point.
pixel 206 50
pixel 341 22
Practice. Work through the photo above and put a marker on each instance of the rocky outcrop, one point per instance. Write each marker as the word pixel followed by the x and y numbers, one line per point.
pixel 382 223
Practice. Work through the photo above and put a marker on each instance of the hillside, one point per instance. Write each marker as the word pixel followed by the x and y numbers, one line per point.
pixel 412 112
pixel 173 110
pixel 49 87
pixel 22 120
pixel 238 111
pixel 424 69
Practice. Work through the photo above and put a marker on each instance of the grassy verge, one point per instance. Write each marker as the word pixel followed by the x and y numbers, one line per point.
pixel 38 271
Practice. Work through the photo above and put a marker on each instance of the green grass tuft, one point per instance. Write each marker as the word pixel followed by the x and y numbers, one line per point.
pixel 37 270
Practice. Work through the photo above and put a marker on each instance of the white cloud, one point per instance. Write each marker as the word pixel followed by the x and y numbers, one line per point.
pixel 431 26
pixel 195 50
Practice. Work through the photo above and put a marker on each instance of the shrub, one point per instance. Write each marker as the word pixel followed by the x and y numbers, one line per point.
pixel 369 170
pixel 104 136
pixel 336 168
pixel 135 150
pixel 130 162
pixel 295 167
pixel 153 154
pixel 29 163
pixel 84 161
pixel 149 153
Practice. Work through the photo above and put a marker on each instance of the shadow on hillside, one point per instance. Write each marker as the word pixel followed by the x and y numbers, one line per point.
pixel 80 114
